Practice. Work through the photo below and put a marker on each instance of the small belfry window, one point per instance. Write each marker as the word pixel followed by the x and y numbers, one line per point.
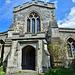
pixel 71 47
pixel 33 23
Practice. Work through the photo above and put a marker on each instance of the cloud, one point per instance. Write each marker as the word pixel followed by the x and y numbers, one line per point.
pixel 55 2
pixel 45 0
pixel 73 1
pixel 8 1
pixel 69 21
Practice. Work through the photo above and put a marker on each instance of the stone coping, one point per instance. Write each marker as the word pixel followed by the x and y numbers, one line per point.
pixel 36 34
pixel 29 36
pixel 25 38
pixel 66 28
pixel 11 29
pixel 67 31
pixel 20 41
pixel 3 32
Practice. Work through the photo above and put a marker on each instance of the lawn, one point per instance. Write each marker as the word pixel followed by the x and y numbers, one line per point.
pixel 1 71
pixel 66 71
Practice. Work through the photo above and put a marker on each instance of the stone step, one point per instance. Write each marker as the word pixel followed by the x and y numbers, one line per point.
pixel 8 43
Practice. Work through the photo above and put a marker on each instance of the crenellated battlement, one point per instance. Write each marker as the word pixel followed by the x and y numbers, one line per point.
pixel 39 3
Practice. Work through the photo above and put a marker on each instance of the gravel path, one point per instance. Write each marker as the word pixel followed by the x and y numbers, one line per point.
pixel 23 74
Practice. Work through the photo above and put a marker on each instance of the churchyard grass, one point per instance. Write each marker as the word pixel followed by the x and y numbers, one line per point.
pixel 1 71
pixel 65 71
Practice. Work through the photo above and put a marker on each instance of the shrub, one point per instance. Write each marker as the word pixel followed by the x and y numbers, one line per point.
pixel 0 62
pixel 20 72
pixel 1 71
pixel 73 67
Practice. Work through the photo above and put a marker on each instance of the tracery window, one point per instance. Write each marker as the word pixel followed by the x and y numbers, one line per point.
pixel 28 25
pixel 33 23
pixel 38 25
pixel 71 48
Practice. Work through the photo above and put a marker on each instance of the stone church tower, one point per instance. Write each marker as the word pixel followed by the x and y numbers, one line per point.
pixel 24 45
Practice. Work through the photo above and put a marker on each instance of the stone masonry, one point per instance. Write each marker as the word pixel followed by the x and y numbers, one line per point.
pixel 17 39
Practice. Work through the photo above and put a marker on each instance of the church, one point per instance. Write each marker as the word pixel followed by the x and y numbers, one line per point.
pixel 25 45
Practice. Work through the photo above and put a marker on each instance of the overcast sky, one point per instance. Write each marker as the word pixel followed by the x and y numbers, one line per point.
pixel 65 12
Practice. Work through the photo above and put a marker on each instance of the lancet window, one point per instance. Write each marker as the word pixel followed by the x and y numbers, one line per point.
pixel 71 47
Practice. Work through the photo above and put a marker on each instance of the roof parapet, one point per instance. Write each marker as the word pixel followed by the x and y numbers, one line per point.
pixel 33 2
pixel 17 8
pixel 39 3
pixel 50 5
pixel 25 5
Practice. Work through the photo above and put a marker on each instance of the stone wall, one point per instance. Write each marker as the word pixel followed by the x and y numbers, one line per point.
pixel 0 50
pixel 17 37
pixel 66 33
pixel 63 34
pixel 16 55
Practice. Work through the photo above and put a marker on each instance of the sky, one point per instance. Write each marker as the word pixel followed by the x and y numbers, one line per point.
pixel 65 12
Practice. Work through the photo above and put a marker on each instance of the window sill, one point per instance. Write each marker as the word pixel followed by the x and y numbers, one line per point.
pixel 34 34
pixel 28 33
pixel 70 58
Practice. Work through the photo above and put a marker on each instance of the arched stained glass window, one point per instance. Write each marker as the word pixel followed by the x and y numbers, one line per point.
pixel 69 50
pixel 33 23
pixel 71 47
pixel 33 26
pixel 38 25
pixel 28 25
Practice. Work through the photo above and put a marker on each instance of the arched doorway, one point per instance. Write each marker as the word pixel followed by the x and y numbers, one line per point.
pixel 28 58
